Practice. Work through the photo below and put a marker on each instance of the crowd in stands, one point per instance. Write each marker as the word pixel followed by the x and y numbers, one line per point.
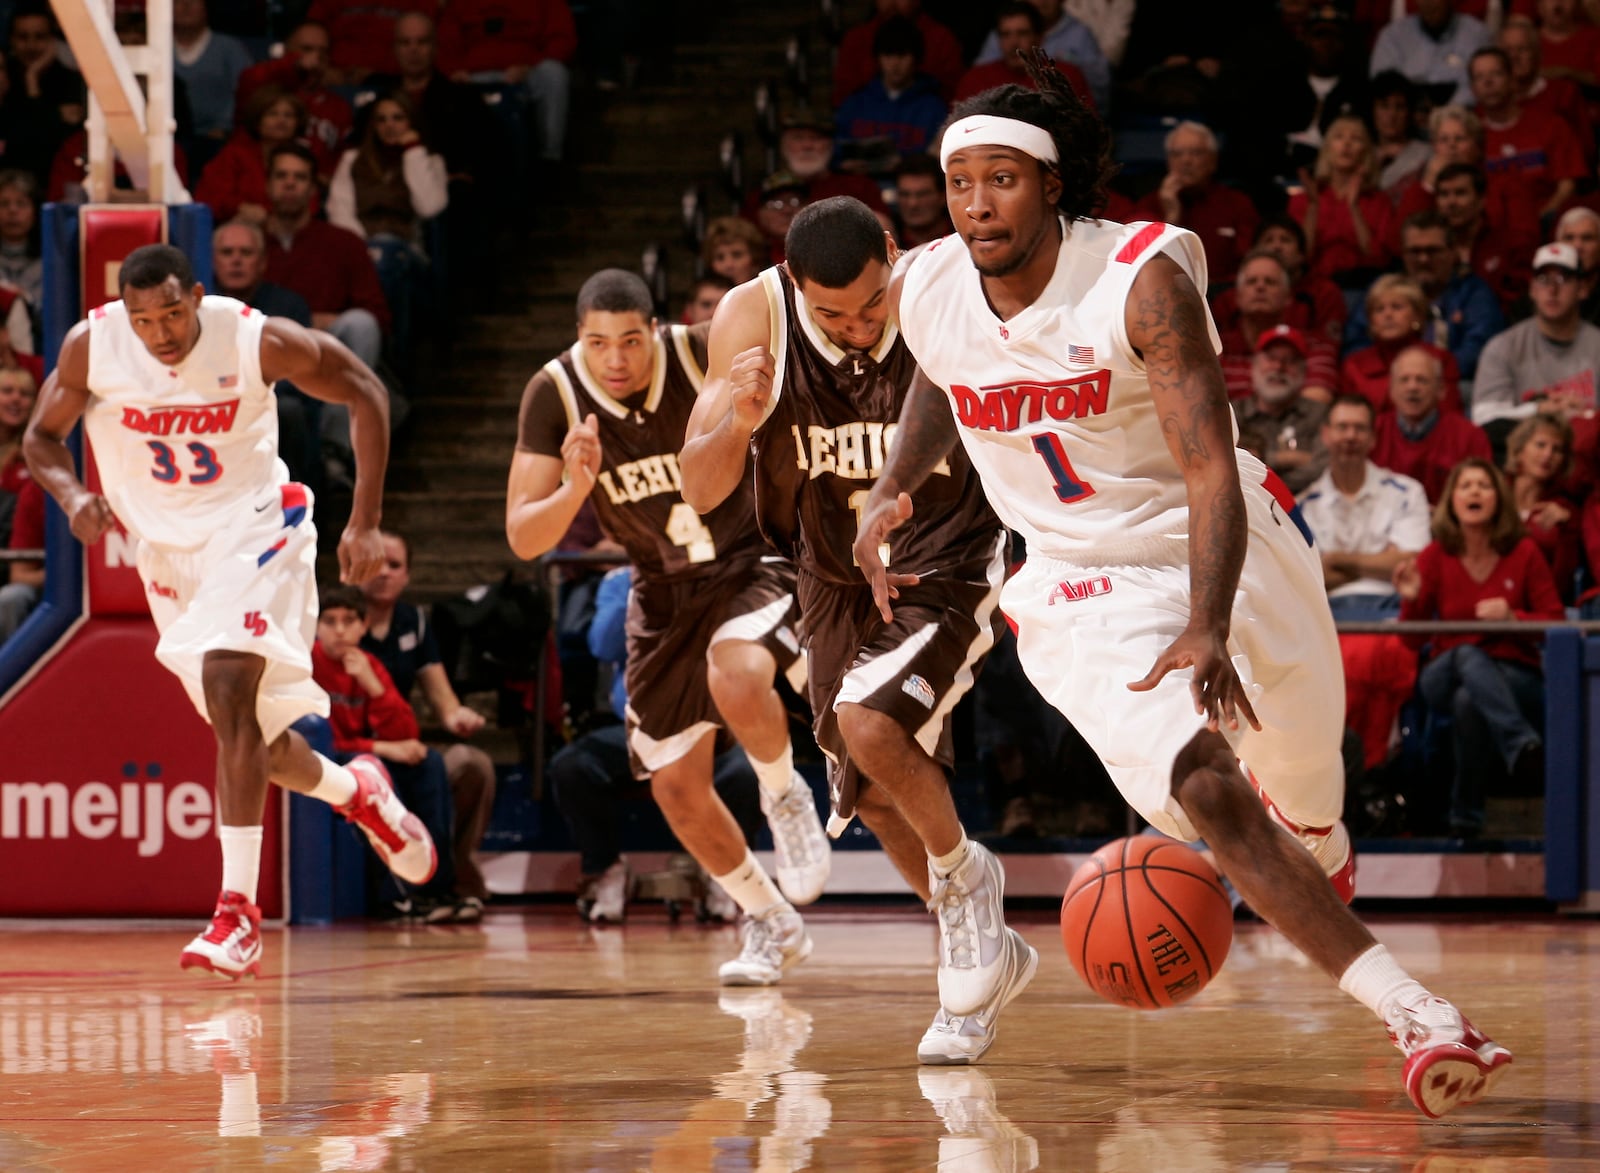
pixel 1398 200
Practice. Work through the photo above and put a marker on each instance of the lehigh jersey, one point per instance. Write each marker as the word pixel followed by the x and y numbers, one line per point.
pixel 181 448
pixel 639 493
pixel 825 439
pixel 1053 405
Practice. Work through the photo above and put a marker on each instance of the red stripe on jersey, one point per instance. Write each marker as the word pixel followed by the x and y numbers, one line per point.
pixel 1142 240
pixel 293 495
pixel 1280 491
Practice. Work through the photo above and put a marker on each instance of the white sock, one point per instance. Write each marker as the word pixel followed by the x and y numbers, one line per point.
pixel 775 777
pixel 337 785
pixel 241 859
pixel 943 865
pixel 1376 981
pixel 750 886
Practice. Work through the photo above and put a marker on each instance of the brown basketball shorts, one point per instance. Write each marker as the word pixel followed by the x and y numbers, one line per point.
pixel 672 627
pixel 913 669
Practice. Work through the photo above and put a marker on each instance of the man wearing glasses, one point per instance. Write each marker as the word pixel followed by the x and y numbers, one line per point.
pixel 1547 363
pixel 1465 311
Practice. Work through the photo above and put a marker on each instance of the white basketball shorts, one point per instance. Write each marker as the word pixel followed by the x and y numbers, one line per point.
pixel 1084 632
pixel 251 588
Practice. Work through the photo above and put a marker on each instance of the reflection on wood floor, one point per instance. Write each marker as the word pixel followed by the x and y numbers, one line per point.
pixel 533 1042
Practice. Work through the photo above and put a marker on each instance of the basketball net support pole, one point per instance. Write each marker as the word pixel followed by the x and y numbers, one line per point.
pixel 124 119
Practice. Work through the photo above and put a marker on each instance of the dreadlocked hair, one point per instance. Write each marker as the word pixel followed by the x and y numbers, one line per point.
pixel 1083 142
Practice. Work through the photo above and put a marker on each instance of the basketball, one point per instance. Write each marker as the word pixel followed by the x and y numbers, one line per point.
pixel 1146 922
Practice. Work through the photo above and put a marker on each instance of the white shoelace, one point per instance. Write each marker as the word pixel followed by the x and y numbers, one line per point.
pixel 958 922
pixel 799 848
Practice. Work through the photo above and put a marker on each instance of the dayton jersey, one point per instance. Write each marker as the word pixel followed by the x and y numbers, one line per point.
pixel 1053 405
pixel 181 448
pixel 825 439
pixel 638 495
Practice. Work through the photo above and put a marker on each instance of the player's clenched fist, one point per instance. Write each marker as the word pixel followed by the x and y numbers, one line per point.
pixel 750 385
pixel 581 453
pixel 92 518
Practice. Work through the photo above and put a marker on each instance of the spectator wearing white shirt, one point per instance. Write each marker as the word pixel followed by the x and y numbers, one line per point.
pixel 1365 519
pixel 1549 362
pixel 1432 48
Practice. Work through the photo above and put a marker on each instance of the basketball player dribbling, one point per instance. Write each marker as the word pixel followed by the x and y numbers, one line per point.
pixel 1172 607
pixel 808 369
pixel 708 624
pixel 175 390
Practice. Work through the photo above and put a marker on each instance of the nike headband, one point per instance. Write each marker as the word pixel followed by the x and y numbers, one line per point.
pixel 987 130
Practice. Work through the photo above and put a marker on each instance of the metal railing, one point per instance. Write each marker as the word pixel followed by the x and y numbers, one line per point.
pixel 21 555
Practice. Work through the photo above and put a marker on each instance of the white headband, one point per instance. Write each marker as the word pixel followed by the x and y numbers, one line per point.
pixel 989 131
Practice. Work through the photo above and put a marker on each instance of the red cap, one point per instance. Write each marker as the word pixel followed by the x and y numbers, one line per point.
pixel 1283 333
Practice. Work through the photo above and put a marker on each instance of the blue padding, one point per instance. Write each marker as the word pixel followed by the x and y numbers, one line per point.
pixel 1565 703
pixel 327 856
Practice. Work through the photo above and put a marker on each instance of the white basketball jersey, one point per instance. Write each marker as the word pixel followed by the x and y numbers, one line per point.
pixel 1054 406
pixel 181 449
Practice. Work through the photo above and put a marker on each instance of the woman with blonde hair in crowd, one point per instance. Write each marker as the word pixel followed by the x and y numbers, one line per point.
pixel 1345 214
pixel 1397 310
pixel 1481 567
pixel 1538 459
pixel 20 497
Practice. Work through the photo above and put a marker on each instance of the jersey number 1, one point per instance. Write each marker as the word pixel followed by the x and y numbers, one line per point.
pixel 206 467
pixel 1069 489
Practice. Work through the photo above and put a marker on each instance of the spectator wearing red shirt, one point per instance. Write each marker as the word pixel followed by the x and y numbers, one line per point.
pixel 1568 46
pixel 303 71
pixel 1557 96
pixel 1457 137
pixel 805 155
pixel 1538 461
pixel 1347 217
pixel 361 34
pixel 234 183
pixel 1417 439
pixel 1481 567
pixel 1528 147
pixel 1316 306
pixel 920 211
pixel 1262 296
pixel 1397 310
pixel 21 502
pixel 1020 29
pixel 942 56
pixel 525 43
pixel 1502 254
pixel 368 714
pixel 1223 218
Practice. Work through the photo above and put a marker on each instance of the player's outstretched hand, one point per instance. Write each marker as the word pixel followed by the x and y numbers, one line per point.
pixel 581 452
pixel 750 385
pixel 92 518
pixel 1219 694
pixel 360 554
pixel 876 525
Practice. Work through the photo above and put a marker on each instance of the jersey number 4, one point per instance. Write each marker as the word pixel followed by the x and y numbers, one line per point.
pixel 684 528
pixel 206 467
pixel 1069 489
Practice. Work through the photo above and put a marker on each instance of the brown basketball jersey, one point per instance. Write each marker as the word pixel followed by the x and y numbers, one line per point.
pixel 638 495
pixel 826 439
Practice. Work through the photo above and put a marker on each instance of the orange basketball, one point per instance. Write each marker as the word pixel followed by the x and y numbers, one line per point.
pixel 1146 922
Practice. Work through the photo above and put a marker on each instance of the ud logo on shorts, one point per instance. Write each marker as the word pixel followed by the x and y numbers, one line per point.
pixel 255 623
pixel 1084 588
pixel 918 690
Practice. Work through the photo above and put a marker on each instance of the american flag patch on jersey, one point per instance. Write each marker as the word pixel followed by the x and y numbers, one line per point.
pixel 227 380
pixel 1081 354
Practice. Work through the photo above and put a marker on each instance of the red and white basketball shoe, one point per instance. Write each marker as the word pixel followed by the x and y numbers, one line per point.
pixel 231 947
pixel 397 835
pixel 1449 1062
pixel 1329 846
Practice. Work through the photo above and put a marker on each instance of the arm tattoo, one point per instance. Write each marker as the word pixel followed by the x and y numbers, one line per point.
pixel 1187 384
pixel 924 437
pixel 1177 353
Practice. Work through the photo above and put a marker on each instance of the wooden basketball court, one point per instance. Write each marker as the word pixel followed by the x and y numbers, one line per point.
pixel 536 1042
